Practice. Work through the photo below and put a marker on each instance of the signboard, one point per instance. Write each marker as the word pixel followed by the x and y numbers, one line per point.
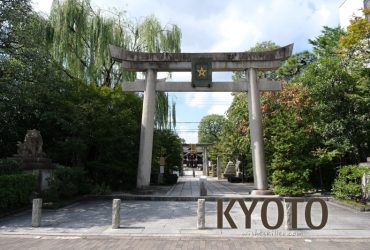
pixel 201 73
pixel 193 148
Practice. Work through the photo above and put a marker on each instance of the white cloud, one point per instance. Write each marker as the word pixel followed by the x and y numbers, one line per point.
pixel 196 99
pixel 180 77
pixel 213 103
pixel 222 103
pixel 244 23
pixel 42 5
pixel 188 134
pixel 232 25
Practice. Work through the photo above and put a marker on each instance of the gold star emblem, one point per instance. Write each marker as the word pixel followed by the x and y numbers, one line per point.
pixel 201 72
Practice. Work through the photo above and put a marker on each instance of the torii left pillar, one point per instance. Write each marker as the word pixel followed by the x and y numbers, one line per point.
pixel 147 127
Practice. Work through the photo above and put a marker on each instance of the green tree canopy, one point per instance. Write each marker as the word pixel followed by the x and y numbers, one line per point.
pixel 262 46
pixel 295 65
pixel 80 37
pixel 354 45
pixel 326 44
pixel 210 128
pixel 95 127
pixel 341 100
pixel 14 16
pixel 167 144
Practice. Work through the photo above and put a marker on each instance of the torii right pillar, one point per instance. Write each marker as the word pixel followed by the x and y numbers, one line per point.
pixel 256 136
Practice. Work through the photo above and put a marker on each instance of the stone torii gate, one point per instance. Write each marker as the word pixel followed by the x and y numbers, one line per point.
pixel 250 62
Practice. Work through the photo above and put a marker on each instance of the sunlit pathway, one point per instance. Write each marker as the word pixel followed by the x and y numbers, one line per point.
pixel 188 186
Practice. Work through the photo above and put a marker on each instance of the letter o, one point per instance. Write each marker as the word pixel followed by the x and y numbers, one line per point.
pixel 264 213
pixel 324 213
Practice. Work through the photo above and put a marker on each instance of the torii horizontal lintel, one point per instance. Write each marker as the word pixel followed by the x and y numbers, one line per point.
pixel 227 61
pixel 237 86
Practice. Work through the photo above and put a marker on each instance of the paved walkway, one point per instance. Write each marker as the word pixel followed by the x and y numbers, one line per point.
pixel 173 218
pixel 172 224
pixel 187 189
pixel 188 186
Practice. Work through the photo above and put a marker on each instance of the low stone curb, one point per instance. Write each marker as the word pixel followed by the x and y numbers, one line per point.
pixel 195 198
pixel 353 207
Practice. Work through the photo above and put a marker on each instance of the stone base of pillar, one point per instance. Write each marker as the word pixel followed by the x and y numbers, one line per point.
pixel 202 186
pixel 262 192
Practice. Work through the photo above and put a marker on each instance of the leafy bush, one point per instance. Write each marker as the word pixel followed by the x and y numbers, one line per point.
pixel 15 190
pixel 166 144
pixel 101 189
pixel 113 175
pixel 9 167
pixel 170 179
pixel 347 185
pixel 292 181
pixel 67 182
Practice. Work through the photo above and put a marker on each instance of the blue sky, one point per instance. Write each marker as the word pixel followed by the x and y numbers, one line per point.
pixel 225 26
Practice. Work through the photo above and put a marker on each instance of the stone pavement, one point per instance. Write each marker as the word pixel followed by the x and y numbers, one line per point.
pixel 173 218
pixel 188 186
pixel 187 189
pixel 172 224
pixel 170 243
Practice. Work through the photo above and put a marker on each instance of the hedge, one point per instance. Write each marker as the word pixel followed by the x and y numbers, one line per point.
pixel 67 182
pixel 15 190
pixel 8 167
pixel 347 185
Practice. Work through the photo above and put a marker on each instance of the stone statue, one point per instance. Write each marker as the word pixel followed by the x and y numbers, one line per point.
pixel 32 145
pixel 33 160
pixel 230 170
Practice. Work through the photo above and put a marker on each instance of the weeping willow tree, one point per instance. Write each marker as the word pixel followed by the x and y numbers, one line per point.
pixel 80 37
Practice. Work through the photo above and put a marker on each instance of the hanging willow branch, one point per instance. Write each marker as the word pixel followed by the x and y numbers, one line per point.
pixel 80 39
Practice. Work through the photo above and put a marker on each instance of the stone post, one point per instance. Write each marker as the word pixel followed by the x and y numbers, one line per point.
pixel 214 170
pixel 116 217
pixel 218 167
pixel 255 123
pixel 36 212
pixel 147 126
pixel 203 186
pixel 365 184
pixel 201 214
pixel 288 215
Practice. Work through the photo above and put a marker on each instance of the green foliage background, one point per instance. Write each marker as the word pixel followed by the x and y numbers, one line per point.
pixel 347 185
pixel 16 187
pixel 167 144
pixel 318 122
pixel 56 76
